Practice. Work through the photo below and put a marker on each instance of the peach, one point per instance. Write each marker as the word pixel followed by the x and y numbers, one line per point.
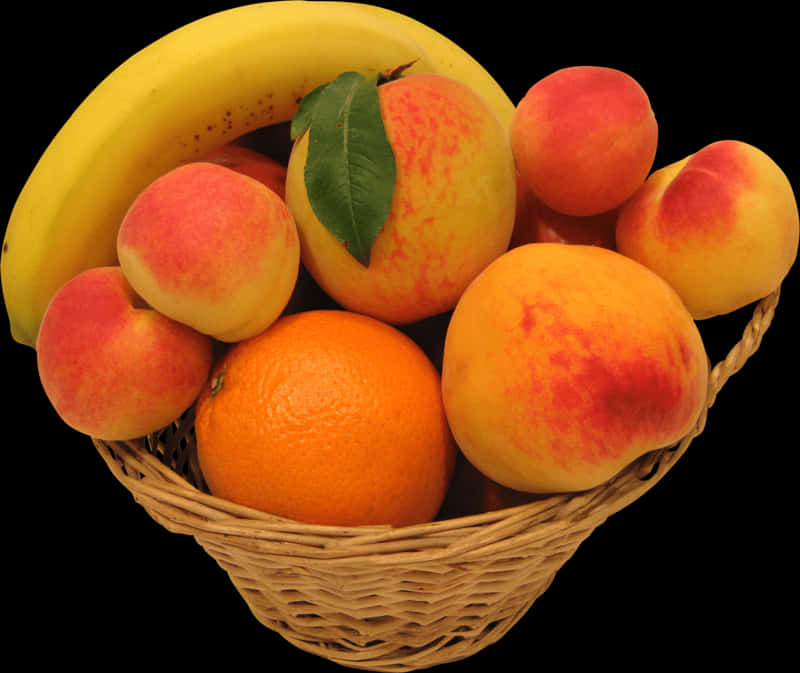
pixel 211 248
pixel 250 162
pixel 452 210
pixel 113 368
pixel 584 139
pixel 564 363
pixel 721 226
pixel 536 223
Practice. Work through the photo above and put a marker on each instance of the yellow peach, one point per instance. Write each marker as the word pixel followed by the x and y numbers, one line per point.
pixel 721 226
pixel 113 368
pixel 211 248
pixel 452 210
pixel 564 363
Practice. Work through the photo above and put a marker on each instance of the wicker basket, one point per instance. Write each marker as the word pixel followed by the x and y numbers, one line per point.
pixel 388 599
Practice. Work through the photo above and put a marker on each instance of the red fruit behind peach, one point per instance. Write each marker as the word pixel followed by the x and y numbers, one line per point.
pixel 472 492
pixel 536 223
pixel 251 163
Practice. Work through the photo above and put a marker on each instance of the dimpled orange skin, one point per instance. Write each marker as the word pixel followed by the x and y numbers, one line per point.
pixel 452 210
pixel 327 417
pixel 564 363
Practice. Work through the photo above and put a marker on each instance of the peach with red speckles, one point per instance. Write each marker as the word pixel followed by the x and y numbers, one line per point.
pixel 113 368
pixel 584 139
pixel 452 210
pixel 536 223
pixel 721 226
pixel 564 363
pixel 211 248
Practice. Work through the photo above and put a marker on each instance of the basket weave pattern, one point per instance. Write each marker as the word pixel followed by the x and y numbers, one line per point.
pixel 386 599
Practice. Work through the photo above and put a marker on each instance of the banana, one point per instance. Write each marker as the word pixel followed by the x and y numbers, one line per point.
pixel 449 58
pixel 196 88
pixel 193 90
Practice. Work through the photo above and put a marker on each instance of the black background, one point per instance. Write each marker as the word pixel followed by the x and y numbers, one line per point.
pixel 699 570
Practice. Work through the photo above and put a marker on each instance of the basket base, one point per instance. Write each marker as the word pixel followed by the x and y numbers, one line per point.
pixel 401 647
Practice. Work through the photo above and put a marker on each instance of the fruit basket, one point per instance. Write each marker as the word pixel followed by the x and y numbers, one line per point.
pixel 393 599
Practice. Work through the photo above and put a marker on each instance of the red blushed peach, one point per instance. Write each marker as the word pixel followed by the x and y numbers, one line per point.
pixel 721 226
pixel 536 223
pixel 249 162
pixel 211 248
pixel 452 210
pixel 113 368
pixel 564 363
pixel 584 139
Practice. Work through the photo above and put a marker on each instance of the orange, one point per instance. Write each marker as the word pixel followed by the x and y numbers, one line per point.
pixel 327 417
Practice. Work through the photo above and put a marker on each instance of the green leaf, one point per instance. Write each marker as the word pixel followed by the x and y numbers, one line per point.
pixel 305 111
pixel 350 169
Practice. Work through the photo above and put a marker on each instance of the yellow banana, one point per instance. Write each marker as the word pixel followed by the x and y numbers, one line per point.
pixel 197 88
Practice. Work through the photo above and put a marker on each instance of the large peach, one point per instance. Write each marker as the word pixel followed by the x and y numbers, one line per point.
pixel 584 139
pixel 721 226
pixel 536 223
pixel 113 368
pixel 211 248
pixel 452 210
pixel 564 363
